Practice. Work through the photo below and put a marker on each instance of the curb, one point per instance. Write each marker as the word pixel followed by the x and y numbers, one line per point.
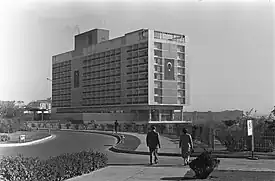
pixel 5 145
pixel 196 154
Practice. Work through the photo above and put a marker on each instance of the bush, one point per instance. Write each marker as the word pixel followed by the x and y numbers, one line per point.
pixel 204 164
pixel 4 138
pixel 57 168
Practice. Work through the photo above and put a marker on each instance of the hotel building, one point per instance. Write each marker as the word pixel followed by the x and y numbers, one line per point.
pixel 141 76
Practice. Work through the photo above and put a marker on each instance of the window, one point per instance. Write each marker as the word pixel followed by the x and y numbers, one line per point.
pixel 158 99
pixel 181 93
pixel 180 48
pixel 158 91
pixel 158 53
pixel 181 63
pixel 157 35
pixel 158 45
pixel 158 60
pixel 180 56
pixel 181 70
pixel 181 85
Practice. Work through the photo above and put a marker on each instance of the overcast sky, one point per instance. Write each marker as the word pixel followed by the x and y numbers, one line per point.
pixel 230 45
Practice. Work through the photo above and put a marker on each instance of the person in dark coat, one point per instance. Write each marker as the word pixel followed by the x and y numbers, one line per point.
pixel 152 141
pixel 116 126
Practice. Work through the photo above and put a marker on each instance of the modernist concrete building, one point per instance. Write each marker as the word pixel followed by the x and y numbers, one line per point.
pixel 141 76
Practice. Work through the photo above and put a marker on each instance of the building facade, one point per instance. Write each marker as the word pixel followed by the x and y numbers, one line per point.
pixel 143 73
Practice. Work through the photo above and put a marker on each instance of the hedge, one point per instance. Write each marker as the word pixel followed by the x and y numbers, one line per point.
pixel 4 138
pixel 62 167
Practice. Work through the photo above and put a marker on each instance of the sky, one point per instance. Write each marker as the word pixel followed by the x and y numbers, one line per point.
pixel 230 46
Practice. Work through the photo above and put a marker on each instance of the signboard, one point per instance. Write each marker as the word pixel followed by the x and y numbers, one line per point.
pixel 22 138
pixel 249 127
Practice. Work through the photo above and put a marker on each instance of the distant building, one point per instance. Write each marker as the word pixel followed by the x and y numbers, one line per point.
pixel 202 117
pixel 40 104
pixel 141 77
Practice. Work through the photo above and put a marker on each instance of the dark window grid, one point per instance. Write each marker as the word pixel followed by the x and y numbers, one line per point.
pixel 59 65
pixel 61 89
pixel 61 72
pixel 101 77
pixel 61 83
pixel 95 71
pixel 58 94
pixel 100 97
pixel 102 84
pixel 143 48
pixel 59 100
pixel 59 76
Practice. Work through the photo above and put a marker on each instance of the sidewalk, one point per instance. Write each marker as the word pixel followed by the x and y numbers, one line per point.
pixel 174 171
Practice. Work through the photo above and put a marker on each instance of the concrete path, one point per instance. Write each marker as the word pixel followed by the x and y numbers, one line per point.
pixel 142 172
pixel 132 173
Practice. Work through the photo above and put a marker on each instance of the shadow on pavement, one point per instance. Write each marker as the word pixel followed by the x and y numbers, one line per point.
pixel 146 165
pixel 178 178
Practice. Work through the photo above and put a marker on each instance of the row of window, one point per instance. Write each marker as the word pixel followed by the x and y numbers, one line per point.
pixel 102 71
pixel 105 97
pixel 159 53
pixel 137 46
pixel 159 92
pixel 137 61
pixel 64 83
pixel 137 100
pixel 109 53
pixel 159 76
pixel 140 53
pixel 61 89
pixel 102 78
pixel 158 84
pixel 158 45
pixel 61 104
pixel 102 92
pixel 102 61
pixel 61 86
pixel 62 64
pixel 60 76
pixel 62 68
pixel 102 88
pixel 142 68
pixel 158 100
pixel 169 36
pixel 101 102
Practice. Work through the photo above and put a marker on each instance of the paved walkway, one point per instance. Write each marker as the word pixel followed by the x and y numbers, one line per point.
pixel 162 171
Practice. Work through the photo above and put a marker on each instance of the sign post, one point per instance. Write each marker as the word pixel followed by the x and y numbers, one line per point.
pixel 250 133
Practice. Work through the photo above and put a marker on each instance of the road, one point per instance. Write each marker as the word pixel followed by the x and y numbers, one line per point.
pixel 74 141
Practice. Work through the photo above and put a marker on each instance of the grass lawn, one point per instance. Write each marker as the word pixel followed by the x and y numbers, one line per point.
pixel 219 175
pixel 30 135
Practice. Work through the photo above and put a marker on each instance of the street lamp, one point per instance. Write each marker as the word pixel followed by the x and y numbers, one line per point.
pixel 50 91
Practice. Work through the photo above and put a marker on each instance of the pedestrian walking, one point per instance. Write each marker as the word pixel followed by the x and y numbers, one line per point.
pixel 186 145
pixel 152 141
pixel 116 126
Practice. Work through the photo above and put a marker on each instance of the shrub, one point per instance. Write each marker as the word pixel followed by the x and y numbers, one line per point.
pixel 4 138
pixel 57 168
pixel 204 164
